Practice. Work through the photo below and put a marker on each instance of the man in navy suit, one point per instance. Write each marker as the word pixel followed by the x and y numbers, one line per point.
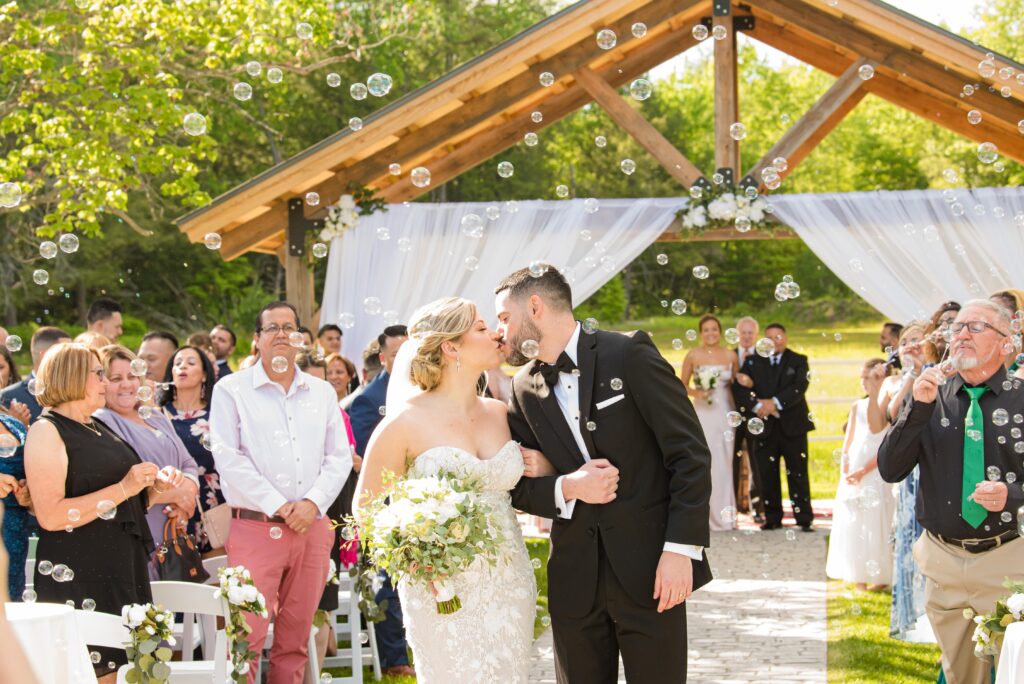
pixel 365 414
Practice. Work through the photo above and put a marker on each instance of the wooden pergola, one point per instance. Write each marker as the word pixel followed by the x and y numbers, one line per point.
pixel 484 107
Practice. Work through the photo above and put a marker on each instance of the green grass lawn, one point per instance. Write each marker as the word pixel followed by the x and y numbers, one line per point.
pixel 860 650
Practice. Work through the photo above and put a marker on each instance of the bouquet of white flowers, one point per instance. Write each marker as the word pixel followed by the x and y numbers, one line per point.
pixel 990 628
pixel 344 216
pixel 427 530
pixel 148 626
pixel 706 378
pixel 237 587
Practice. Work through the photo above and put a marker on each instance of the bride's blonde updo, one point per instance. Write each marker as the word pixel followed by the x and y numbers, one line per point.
pixel 432 325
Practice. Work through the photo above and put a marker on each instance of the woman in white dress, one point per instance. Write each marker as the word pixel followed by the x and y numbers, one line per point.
pixel 436 421
pixel 859 548
pixel 711 368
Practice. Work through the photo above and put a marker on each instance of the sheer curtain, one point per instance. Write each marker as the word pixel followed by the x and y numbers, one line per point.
pixel 427 256
pixel 906 252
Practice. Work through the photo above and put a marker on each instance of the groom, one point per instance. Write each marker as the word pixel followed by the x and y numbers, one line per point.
pixel 630 503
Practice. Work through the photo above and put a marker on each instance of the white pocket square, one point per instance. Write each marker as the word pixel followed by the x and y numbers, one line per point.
pixel 608 402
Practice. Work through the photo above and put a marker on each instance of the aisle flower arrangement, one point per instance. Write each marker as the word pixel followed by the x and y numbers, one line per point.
pixel 990 627
pixel 148 626
pixel 242 596
pixel 426 530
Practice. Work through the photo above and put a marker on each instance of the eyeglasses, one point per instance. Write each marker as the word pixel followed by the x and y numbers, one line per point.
pixel 974 327
pixel 273 329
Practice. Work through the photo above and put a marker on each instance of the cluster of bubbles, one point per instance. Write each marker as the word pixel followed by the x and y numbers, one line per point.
pixel 787 289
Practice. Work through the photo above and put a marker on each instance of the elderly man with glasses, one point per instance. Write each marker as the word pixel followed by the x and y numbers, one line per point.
pixel 963 428
pixel 282 454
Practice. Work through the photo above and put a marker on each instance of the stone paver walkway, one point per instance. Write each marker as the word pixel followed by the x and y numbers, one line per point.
pixel 762 618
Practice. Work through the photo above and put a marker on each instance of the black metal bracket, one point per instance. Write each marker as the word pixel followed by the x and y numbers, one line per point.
pixel 727 175
pixel 703 183
pixel 748 182
pixel 722 8
pixel 298 224
pixel 743 22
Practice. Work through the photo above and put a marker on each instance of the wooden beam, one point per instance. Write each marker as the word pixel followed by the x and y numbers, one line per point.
pixel 944 111
pixel 241 239
pixel 676 233
pixel 486 144
pixel 464 122
pixel 937 78
pixel 797 142
pixel 727 109
pixel 641 130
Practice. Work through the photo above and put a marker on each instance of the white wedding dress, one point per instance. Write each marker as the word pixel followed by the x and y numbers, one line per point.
pixel 719 435
pixel 489 639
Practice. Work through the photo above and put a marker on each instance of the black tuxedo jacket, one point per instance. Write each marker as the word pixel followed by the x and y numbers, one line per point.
pixel 786 382
pixel 650 432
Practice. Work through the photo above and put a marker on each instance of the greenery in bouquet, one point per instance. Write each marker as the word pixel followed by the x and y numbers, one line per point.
pixel 990 627
pixel 426 530
pixel 242 596
pixel 148 627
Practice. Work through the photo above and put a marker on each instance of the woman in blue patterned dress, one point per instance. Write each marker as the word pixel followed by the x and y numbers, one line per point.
pixel 189 379
pixel 17 519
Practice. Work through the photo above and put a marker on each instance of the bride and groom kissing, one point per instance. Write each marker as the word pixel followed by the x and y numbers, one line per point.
pixel 600 436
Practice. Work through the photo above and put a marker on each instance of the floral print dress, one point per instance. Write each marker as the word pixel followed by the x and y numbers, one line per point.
pixel 193 428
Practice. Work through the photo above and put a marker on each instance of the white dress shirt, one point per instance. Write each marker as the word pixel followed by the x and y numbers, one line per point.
pixel 272 447
pixel 567 393
pixel 744 352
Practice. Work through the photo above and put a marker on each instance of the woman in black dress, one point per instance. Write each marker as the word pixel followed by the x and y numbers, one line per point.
pixel 90 491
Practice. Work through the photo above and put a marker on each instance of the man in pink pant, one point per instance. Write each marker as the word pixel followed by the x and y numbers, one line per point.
pixel 282 455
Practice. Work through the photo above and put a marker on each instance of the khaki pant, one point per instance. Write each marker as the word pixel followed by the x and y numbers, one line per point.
pixel 957 579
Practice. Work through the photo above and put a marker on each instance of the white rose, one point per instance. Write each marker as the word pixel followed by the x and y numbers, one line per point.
pixel 688 220
pixel 150 630
pixel 250 593
pixel 136 615
pixel 1015 604
pixel 701 220
pixel 236 596
pixel 346 202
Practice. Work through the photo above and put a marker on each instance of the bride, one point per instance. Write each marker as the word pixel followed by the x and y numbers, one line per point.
pixel 435 421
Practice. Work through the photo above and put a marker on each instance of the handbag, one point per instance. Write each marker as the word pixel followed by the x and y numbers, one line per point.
pixel 216 524
pixel 177 559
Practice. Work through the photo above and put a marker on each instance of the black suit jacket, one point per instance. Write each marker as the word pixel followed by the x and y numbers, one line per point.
pixel 19 391
pixel 787 382
pixel 651 434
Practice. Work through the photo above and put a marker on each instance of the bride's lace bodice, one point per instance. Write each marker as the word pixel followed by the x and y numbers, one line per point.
pixel 488 640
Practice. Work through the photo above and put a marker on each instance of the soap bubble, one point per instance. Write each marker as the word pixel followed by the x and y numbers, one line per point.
pixel 628 166
pixel 88 605
pixel 974 117
pixel 866 72
pixel 395 169
pixel 138 367
pixel 242 91
pixel 987 152
pixel 44 567
pixel 719 32
pixel 29 595
pixel 547 79
pixel 212 240
pixel 764 347
pixel 358 91
pixel 279 364
pixel 304 30
pixel 68 243
pixel 275 532
pixel 562 191
pixel 379 84
pixel 274 75
pixel 992 473
pixel 733 419
pixel 47 249
pixel 471 263
pixel 346 320
pixel 536 117
pixel 737 131
pixel 253 68
pixel 701 272
pixel 420 177
pixel 678 307
pixel 590 205
pixel 531 139
pixel 40 276
pixel 728 515
pixel 591 426
pixel 372 306
pixel 640 89
pixel 13 343
pixel 194 123
pixel 732 336
pixel 615 384
pixel 505 169
pixel 700 31
pixel 606 39
pixel 319 250
pixel 662 259
pixel 590 326
pixel 1000 417
pixel 355 123
pixel 537 268
pixel 472 225
pixel 601 141
pixel 312 198
pixel 333 80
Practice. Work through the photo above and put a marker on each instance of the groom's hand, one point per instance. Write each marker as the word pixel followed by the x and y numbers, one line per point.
pixel 673 583
pixel 594 483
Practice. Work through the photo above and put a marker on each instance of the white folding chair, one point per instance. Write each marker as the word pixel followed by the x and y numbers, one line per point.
pixel 347 621
pixel 104 630
pixel 212 565
pixel 197 600
pixel 312 669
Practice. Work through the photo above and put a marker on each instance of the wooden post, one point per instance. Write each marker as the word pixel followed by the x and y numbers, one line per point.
pixel 298 276
pixel 727 111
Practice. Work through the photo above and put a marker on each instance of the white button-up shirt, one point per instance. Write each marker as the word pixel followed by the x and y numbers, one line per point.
pixel 272 447
pixel 567 393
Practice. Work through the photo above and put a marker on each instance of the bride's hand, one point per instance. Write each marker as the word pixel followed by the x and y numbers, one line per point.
pixel 535 464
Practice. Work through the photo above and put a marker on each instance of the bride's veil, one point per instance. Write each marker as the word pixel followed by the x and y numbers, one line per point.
pixel 400 385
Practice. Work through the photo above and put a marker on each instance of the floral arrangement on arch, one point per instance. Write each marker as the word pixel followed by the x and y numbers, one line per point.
pixel 721 207
pixel 148 626
pixel 990 627
pixel 242 596
pixel 344 216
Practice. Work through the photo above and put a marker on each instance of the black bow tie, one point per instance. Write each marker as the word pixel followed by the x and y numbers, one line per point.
pixel 550 371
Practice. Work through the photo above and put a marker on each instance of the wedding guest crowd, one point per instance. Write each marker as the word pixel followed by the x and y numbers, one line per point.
pixel 156 350
pixel 104 318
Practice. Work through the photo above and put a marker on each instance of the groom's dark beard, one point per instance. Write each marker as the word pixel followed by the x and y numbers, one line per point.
pixel 527 331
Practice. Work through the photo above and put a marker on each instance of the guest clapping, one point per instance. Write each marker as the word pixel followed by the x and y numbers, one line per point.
pixel 90 491
pixel 153 437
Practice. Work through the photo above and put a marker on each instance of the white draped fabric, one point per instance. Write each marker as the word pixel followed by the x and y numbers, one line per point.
pixel 906 252
pixel 903 251
pixel 434 261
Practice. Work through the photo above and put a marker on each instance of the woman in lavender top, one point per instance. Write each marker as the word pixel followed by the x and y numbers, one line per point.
pixel 150 433
pixel 189 385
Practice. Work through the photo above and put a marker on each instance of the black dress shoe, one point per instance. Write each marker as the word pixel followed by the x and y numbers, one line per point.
pixel 771 526
pixel 806 528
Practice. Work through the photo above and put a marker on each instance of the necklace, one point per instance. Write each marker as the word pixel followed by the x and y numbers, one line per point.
pixel 88 426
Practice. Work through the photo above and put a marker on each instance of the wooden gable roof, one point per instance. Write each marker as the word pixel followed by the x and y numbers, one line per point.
pixel 483 107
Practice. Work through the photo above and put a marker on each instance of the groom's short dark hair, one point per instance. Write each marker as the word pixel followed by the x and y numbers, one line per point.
pixel 551 286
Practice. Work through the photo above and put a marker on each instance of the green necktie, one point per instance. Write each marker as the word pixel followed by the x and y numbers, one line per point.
pixel 974 458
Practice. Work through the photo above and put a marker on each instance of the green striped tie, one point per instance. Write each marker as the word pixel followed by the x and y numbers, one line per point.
pixel 974 458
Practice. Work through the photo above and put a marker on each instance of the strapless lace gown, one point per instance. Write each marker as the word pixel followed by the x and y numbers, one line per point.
pixel 489 639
